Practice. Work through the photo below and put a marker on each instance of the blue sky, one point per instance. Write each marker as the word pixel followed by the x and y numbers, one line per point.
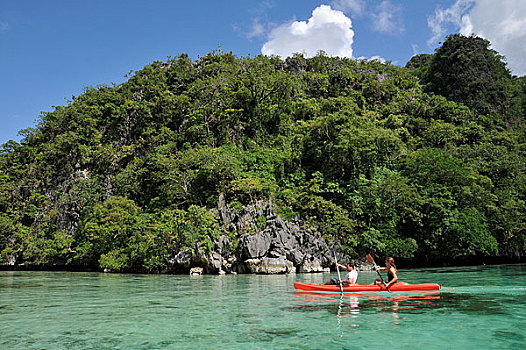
pixel 50 50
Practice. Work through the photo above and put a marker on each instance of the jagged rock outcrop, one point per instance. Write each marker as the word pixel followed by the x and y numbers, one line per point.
pixel 278 246
pixel 256 245
pixel 256 240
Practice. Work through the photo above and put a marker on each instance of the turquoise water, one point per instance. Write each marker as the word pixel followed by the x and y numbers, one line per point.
pixel 483 306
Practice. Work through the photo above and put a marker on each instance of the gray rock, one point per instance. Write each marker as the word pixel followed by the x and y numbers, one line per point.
pixel 223 245
pixel 285 239
pixel 196 271
pixel 311 266
pixel 269 265
pixel 295 256
pixel 255 246
pixel 180 260
pixel 216 260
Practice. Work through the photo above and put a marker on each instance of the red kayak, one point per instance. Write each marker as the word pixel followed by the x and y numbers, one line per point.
pixel 397 287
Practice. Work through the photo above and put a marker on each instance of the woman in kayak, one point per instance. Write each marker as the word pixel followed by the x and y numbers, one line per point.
pixel 392 272
pixel 350 278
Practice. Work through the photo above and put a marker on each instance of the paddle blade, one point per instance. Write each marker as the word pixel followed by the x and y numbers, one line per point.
pixel 370 259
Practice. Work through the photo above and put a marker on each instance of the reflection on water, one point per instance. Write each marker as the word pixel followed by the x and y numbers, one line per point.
pixel 354 303
pixel 349 306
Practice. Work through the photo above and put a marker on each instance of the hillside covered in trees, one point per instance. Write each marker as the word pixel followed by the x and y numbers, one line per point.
pixel 425 162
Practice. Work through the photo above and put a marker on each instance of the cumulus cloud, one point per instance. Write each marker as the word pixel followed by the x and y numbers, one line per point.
pixel 502 22
pixel 327 29
pixel 387 18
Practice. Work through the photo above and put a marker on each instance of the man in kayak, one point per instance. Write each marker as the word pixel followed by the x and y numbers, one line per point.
pixel 350 278
pixel 392 272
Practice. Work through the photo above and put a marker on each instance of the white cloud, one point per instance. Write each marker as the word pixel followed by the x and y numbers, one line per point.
pixel 416 49
pixel 442 19
pixel 328 30
pixel 257 29
pixel 351 7
pixel 387 18
pixel 373 58
pixel 502 22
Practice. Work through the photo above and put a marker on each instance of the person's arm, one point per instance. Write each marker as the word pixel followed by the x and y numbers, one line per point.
pixel 341 266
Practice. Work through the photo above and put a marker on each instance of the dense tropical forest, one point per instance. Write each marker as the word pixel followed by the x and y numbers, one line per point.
pixel 425 162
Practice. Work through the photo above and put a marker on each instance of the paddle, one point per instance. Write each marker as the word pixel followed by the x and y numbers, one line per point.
pixel 371 260
pixel 338 269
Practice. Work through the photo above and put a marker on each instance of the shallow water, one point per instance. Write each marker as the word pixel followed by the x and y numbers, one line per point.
pixel 482 306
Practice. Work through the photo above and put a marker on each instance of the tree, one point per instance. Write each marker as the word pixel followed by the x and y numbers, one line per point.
pixel 465 69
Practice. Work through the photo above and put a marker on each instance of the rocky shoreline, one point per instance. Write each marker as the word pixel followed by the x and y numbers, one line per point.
pixel 279 246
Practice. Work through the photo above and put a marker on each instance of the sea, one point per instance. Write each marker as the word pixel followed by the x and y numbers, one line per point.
pixel 480 307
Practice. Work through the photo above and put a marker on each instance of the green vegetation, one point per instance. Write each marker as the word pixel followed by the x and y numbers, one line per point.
pixel 425 161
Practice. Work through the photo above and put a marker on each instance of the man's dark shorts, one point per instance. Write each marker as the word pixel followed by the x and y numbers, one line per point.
pixel 335 281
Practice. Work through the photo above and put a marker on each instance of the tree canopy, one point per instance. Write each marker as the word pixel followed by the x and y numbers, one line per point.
pixel 421 162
